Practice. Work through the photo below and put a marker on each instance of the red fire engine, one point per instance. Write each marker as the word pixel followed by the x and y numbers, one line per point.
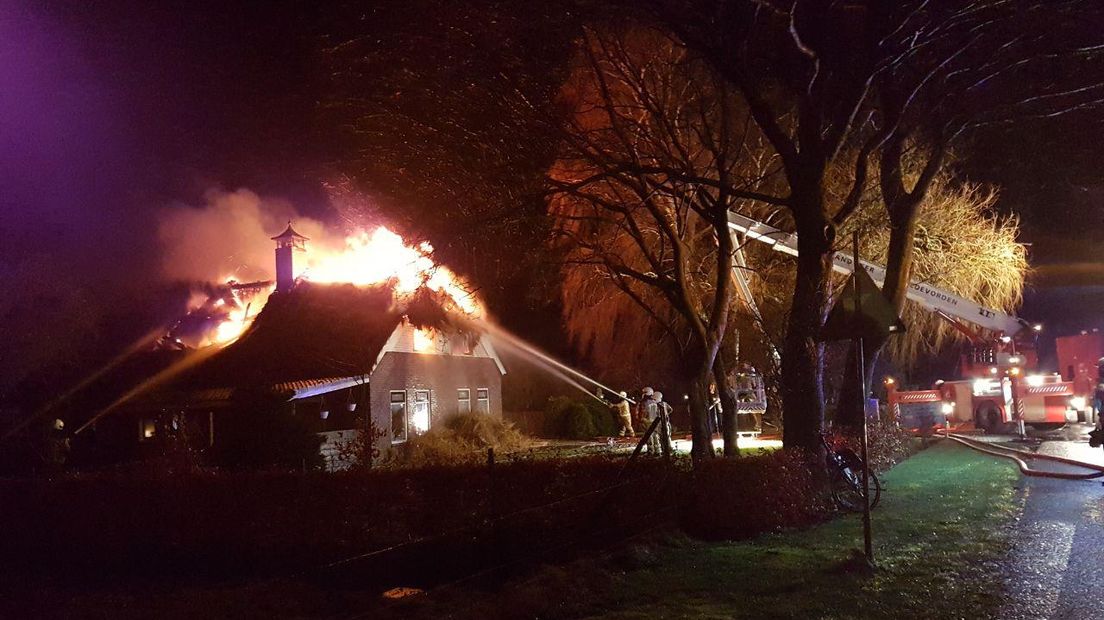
pixel 1000 384
pixel 1080 359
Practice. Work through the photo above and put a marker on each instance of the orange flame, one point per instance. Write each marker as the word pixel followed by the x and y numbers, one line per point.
pixel 367 258
pixel 381 255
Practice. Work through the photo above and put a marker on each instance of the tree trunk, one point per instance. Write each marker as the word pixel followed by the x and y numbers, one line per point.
pixel 848 413
pixel 802 359
pixel 727 393
pixel 700 432
pixel 902 233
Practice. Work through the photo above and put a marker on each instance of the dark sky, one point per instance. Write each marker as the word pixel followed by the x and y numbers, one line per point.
pixel 111 110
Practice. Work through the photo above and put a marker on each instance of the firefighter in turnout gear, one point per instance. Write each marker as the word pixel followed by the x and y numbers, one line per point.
pixel 640 415
pixel 649 411
pixel 624 415
pixel 714 410
pixel 663 410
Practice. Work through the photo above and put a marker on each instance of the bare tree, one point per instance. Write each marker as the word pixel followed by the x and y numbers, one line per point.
pixel 656 154
pixel 952 68
pixel 826 80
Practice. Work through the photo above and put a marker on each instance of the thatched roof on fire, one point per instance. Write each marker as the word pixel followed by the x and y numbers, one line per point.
pixel 316 332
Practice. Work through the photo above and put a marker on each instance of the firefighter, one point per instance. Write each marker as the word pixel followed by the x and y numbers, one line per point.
pixel 663 410
pixel 640 415
pixel 56 446
pixel 624 415
pixel 714 409
pixel 649 408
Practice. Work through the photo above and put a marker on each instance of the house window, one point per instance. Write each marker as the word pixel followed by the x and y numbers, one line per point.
pixel 423 340
pixel 147 428
pixel 419 419
pixel 398 416
pixel 463 398
pixel 483 400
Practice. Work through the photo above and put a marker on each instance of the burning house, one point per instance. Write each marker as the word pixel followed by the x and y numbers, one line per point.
pixel 390 358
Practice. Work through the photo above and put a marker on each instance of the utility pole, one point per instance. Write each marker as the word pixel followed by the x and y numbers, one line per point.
pixel 868 543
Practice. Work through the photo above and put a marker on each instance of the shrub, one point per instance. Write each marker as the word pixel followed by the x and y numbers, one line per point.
pixel 887 443
pixel 604 419
pixel 223 523
pixel 578 419
pixel 738 498
pixel 460 439
pixel 579 422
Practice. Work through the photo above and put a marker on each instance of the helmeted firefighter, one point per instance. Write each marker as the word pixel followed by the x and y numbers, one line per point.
pixel 624 415
pixel 714 410
pixel 649 411
pixel 663 410
pixel 640 414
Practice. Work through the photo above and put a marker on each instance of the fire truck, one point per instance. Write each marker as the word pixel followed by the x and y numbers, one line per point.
pixel 1081 362
pixel 999 385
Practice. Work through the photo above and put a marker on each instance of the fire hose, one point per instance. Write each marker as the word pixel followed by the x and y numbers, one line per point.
pixel 1018 457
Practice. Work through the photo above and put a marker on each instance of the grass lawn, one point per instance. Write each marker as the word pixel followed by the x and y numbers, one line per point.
pixel 939 534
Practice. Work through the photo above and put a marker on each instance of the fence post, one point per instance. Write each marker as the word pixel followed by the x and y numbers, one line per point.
pixel 492 507
pixel 492 501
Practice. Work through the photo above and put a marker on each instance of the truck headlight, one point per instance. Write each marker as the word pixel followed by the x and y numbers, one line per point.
pixel 1077 402
pixel 947 408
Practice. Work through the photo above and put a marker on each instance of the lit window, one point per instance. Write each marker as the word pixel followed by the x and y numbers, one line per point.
pixel 463 398
pixel 419 419
pixel 147 428
pixel 423 340
pixel 483 400
pixel 398 417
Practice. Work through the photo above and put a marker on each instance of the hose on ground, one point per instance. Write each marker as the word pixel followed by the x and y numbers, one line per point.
pixel 1015 455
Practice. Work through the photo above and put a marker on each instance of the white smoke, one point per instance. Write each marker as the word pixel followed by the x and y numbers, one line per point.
pixel 228 237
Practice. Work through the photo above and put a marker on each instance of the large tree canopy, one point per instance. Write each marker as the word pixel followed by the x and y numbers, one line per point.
pixel 655 155
pixel 832 88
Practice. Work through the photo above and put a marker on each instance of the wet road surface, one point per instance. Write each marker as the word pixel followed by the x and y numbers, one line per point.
pixel 1056 569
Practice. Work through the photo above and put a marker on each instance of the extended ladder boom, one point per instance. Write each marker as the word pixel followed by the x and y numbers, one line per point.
pixel 931 297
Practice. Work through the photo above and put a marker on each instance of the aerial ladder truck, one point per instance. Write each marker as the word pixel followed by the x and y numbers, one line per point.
pixel 998 385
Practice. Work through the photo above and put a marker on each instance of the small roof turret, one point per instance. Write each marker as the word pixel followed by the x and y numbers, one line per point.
pixel 289 233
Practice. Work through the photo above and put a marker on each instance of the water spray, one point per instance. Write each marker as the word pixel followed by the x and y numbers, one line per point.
pixel 512 341
pixel 190 359
pixel 147 339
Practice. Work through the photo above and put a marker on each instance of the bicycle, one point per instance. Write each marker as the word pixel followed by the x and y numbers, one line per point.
pixel 845 478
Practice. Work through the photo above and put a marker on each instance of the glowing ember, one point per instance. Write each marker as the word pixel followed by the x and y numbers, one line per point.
pixel 235 323
pixel 219 316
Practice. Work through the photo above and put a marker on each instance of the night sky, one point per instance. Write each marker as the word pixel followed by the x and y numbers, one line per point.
pixel 110 111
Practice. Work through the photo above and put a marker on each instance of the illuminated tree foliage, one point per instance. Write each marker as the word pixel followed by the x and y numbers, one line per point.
pixel 961 244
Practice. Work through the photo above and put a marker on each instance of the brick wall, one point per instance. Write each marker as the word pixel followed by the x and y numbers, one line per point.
pixel 442 375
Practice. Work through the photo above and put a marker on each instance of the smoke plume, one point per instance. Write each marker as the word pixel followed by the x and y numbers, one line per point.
pixel 228 237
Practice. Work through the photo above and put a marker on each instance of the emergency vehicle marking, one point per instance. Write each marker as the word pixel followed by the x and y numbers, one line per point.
pixel 1057 388
pixel 919 397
